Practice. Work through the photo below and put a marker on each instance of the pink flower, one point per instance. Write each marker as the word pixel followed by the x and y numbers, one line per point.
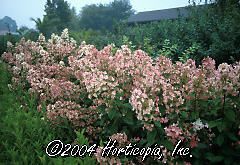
pixel 174 132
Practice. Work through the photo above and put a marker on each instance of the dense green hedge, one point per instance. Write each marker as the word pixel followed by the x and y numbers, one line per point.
pixel 208 31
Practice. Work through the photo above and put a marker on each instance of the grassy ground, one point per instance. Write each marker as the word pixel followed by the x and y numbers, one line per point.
pixel 23 132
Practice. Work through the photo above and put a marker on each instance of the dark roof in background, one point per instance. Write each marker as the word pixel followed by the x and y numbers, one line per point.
pixel 157 15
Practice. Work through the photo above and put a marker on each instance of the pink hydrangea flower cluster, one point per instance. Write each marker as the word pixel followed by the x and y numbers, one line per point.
pixel 58 71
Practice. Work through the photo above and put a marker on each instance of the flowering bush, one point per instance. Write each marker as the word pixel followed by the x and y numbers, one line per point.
pixel 116 90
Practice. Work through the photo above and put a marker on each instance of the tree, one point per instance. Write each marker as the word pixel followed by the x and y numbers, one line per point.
pixel 58 16
pixel 220 3
pixel 218 27
pixel 38 23
pixel 121 9
pixel 103 17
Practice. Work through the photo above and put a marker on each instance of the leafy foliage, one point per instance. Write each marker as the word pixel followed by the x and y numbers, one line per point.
pixel 103 17
pixel 58 16
pixel 25 132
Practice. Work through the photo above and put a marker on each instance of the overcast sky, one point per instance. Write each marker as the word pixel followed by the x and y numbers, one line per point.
pixel 22 10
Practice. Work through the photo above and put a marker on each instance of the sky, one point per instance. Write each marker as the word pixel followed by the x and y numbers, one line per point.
pixel 22 10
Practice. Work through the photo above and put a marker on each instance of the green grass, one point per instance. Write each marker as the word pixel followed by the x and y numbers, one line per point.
pixel 23 132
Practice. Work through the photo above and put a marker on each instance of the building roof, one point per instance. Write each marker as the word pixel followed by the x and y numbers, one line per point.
pixel 158 15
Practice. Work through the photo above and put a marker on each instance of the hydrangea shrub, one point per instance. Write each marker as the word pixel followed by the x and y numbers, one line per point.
pixel 112 91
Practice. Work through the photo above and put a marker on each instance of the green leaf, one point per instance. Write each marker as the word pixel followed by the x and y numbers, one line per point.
pixel 128 119
pixel 127 106
pixel 115 125
pixel 220 139
pixel 168 144
pixel 214 123
pixel 202 146
pixel 195 115
pixel 158 124
pixel 232 136
pixel 230 115
pixel 221 126
pixel 213 158
pixel 184 114
pixel 112 114
pixel 151 136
